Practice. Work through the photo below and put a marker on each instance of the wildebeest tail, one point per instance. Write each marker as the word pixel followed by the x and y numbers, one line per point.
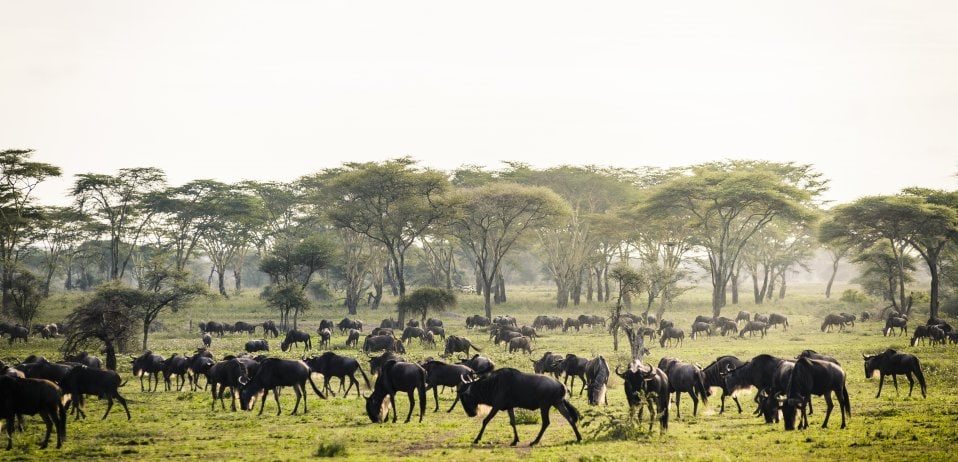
pixel 366 379
pixel 574 414
pixel 473 346
pixel 316 389
pixel 700 385
pixel 920 376
pixel 848 404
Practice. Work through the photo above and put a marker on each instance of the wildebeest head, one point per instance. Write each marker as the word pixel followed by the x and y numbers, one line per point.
pixel 377 407
pixel 467 394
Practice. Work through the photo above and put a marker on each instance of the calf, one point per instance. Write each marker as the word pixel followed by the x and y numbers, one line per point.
pixel 30 397
pixel 275 373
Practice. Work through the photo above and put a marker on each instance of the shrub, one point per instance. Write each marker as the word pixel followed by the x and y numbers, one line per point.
pixel 331 450
pixel 854 296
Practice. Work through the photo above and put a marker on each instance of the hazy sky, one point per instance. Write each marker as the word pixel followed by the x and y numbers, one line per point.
pixel 866 91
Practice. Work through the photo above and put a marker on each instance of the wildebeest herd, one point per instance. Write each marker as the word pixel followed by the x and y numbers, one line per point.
pixel 785 386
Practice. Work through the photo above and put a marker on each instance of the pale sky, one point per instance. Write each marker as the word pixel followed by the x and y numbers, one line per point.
pixel 867 91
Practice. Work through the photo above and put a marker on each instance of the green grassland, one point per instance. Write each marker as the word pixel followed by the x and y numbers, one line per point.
pixel 180 425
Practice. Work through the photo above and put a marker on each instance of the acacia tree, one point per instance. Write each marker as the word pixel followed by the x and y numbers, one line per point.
pixel 184 217
pixel 424 300
pixel 727 203
pixel 490 219
pixel 19 215
pixel 229 230
pixel 390 202
pixel 630 282
pixel 26 293
pixel 121 203
pixel 62 230
pixel 103 319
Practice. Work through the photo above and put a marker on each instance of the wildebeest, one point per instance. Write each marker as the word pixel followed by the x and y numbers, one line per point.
pixel 699 326
pixel 374 343
pixel 685 378
pixel 714 376
pixel 504 320
pixel 382 331
pixel 549 363
pixel 207 340
pixel 547 322
pixel 18 332
pixel 848 318
pixel 353 338
pixel 439 374
pixel 269 327
pixel 753 326
pixel 86 359
pixel 389 323
pixel 200 364
pixel 241 326
pixel 833 319
pixel 477 321
pixel 330 365
pixel 296 336
pixel 438 331
pixel 214 327
pixel 428 338
pixel 150 365
pixel 865 316
pixel 29 397
pixel 573 366
pixel 520 343
pixel 669 334
pixel 775 319
pixel 892 322
pixel 347 324
pixel 743 316
pixel 275 373
pixel 253 346
pixel 815 377
pixel 325 324
pixel 597 377
pixel 665 324
pixel 726 325
pixel 571 323
pixel 507 389
pixel 395 377
pixel 758 372
pixel 412 323
pixel 891 362
pixel 433 322
pixel 646 332
pixel 760 318
pixel 650 385
pixel 410 333
pixel 702 318
pixel 324 335
pixel 231 373
pixel 480 364
pixel 175 365
pixel 528 332
pixel 82 380
pixel 456 344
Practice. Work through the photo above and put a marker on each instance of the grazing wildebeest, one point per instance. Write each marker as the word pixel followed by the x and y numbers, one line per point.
pixel 82 380
pixel 702 318
pixel 597 377
pixel 376 362
pixel 18 332
pixel 438 331
pixel 207 340
pixel 374 343
pixel 812 354
pixel 940 323
pixel 428 338
pixel 86 359
pixel 815 377
pixel 699 326
pixel 743 316
pixel 412 323
pixel 253 346
pixel 456 344
pixel 395 377
pixel 433 322
pixel 214 327
pixel 30 397
pixel 150 365
pixel 775 319
pixel 892 322
pixel 760 318
pixel 176 365
pixel 389 324
pixel 549 363
pixel 528 332
pixel 504 336
pixel 353 338
pixel 240 326
pixel 726 325
pixel 571 323
pixel 685 378
pixel 439 374
pixel 275 373
pixel 325 324
pixel 231 373
pixel 670 333
pixel 382 331
pixel 650 385
pixel 891 362
pixel 296 336
pixel 665 324
pixel 477 320
pixel 936 334
pixel 833 319
pixel 758 372
pixel 646 332
pixel 866 316
pixel 520 343
pixel 848 318
pixel 410 333
pixel 715 377
pixel 332 365
pixel 505 320
pixel 480 364
pixel 753 326
pixel 324 335
pixel 347 324
pixel 507 389
pixel 920 333
pixel 573 366
pixel 269 327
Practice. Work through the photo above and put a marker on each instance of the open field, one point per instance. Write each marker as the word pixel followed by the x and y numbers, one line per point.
pixel 180 425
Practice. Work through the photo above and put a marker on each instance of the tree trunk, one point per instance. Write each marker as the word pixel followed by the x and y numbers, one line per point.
pixel 146 333
pixel 734 282
pixel 110 352
pixel 831 279
pixel 562 295
pixel 500 287
pixel 781 289
pixel 238 278
pixel 221 283
pixel 487 297
pixel 378 298
pixel 391 280
pixel 718 294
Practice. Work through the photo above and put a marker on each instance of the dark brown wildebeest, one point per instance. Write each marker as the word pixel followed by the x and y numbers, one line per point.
pixel 685 378
pixel 176 365
pixel 597 377
pixel 775 319
pixel 410 333
pixel 715 377
pixel 150 365
pixel 86 359
pixel 374 343
pixel 428 338
pixel 814 377
pixel 253 346
pixel 833 319
pixel 571 323
pixel 480 364
pixel 324 336
pixel 754 326
pixel 455 344
pixel 296 336
pixel 437 331
pixel 507 389
pixel 477 321
pixel 207 340
pixel 892 322
pixel 330 365
pixel 549 363
pixel 231 373
pixel 347 324
pixel 669 334
pixel 30 397
pixel 241 326
pixel 743 316
pixel 439 374
pixel 376 362
pixel 891 362
pixel 651 385
pixel 82 380
pixel 269 328
pixel 395 377
pixel 760 318
pixel 520 343
pixel 699 326
pixel 353 338
pixel 573 366
pixel 273 374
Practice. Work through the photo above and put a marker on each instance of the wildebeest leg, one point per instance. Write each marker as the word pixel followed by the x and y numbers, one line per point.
pixel 352 381
pixel 828 410
pixel 881 381
pixel 485 422
pixel 435 394
pixel 109 405
pixel 894 379
pixel 123 402
pixel 453 404
pixel 412 405
pixel 911 383
pixel 49 423
pixel 695 403
pixel 678 410
pixel 512 421
pixel 141 382
pixel 392 402
pixel 582 379
pixel 735 398
pixel 296 388
pixel 10 425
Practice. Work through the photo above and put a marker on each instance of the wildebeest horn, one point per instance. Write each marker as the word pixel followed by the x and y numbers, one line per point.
pixel 619 373
pixel 649 370
pixel 242 381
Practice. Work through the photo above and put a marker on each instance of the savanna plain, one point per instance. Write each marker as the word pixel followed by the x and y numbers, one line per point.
pixel 181 425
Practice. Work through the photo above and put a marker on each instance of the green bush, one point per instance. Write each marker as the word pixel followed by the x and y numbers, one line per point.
pixel 854 296
pixel 331 450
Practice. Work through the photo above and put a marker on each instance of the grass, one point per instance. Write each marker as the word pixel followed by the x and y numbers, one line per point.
pixel 180 425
